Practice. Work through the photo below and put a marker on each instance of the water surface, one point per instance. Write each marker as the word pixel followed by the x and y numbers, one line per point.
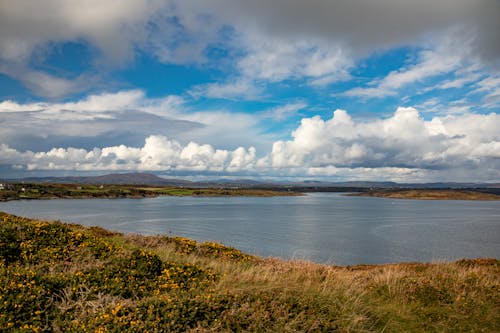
pixel 322 227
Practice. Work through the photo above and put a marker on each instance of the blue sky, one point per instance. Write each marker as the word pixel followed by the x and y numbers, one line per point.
pixel 345 90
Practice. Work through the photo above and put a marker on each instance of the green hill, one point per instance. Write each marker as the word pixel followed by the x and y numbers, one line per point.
pixel 57 277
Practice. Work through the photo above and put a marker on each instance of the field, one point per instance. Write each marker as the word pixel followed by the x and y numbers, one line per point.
pixel 58 277
pixel 429 194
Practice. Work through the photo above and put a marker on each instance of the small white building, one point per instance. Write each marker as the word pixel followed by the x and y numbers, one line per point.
pixel 2 186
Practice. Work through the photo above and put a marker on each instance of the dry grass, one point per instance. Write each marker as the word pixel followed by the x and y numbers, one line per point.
pixel 430 194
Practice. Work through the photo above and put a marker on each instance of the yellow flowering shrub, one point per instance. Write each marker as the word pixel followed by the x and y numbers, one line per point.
pixel 43 265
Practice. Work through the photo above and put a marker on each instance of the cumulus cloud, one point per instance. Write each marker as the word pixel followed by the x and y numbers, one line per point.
pixel 403 147
pixel 404 141
pixel 158 153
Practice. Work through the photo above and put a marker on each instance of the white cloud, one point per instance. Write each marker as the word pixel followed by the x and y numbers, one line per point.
pixel 459 82
pixel 158 153
pixel 232 90
pixel 124 117
pixel 403 147
pixel 491 87
pixel 280 59
pixel 269 60
pixel 394 174
pixel 437 107
pixel 447 56
pixel 111 29
pixel 489 84
pixel 112 26
pixel 264 40
pixel 92 107
pixel 404 141
pixel 11 106
pixel 284 111
pixel 44 84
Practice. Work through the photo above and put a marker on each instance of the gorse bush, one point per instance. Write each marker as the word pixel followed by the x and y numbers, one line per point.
pixel 207 249
pixel 41 261
pixel 57 277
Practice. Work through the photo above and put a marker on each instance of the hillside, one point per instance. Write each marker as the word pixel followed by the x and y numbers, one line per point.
pixel 59 277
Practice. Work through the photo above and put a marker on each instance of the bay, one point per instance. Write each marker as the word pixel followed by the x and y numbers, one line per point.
pixel 322 227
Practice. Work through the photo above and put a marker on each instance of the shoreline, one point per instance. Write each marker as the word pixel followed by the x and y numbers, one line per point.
pixel 36 191
pixel 428 194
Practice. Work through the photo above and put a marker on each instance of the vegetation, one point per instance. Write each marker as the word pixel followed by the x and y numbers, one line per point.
pixel 429 194
pixel 81 191
pixel 58 277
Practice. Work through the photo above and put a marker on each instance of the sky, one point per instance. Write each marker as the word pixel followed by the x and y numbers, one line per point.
pixel 381 90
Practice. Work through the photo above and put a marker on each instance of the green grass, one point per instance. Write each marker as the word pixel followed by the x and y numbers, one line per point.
pixel 58 277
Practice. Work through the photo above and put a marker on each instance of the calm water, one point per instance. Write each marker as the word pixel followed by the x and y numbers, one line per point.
pixel 323 227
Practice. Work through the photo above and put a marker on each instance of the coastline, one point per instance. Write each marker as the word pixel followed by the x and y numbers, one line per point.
pixel 428 194
pixel 37 191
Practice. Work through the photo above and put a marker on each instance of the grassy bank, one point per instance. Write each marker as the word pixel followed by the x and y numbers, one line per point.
pixel 429 194
pixel 60 277
pixel 79 191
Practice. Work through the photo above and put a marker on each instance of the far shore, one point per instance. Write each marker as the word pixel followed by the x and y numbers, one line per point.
pixel 39 191
pixel 46 191
pixel 429 194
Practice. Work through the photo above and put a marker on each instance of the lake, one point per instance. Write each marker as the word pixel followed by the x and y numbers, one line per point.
pixel 322 227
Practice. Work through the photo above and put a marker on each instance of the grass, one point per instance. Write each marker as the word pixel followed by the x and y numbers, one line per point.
pixel 58 277
pixel 430 194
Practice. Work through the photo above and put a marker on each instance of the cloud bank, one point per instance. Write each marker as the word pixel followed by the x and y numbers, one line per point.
pixel 404 140
pixel 401 147
pixel 158 154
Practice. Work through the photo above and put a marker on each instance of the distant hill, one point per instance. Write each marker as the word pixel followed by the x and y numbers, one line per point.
pixel 135 179
pixel 114 178
pixel 151 179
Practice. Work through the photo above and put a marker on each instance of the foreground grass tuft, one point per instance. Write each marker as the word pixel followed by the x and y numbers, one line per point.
pixel 57 277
